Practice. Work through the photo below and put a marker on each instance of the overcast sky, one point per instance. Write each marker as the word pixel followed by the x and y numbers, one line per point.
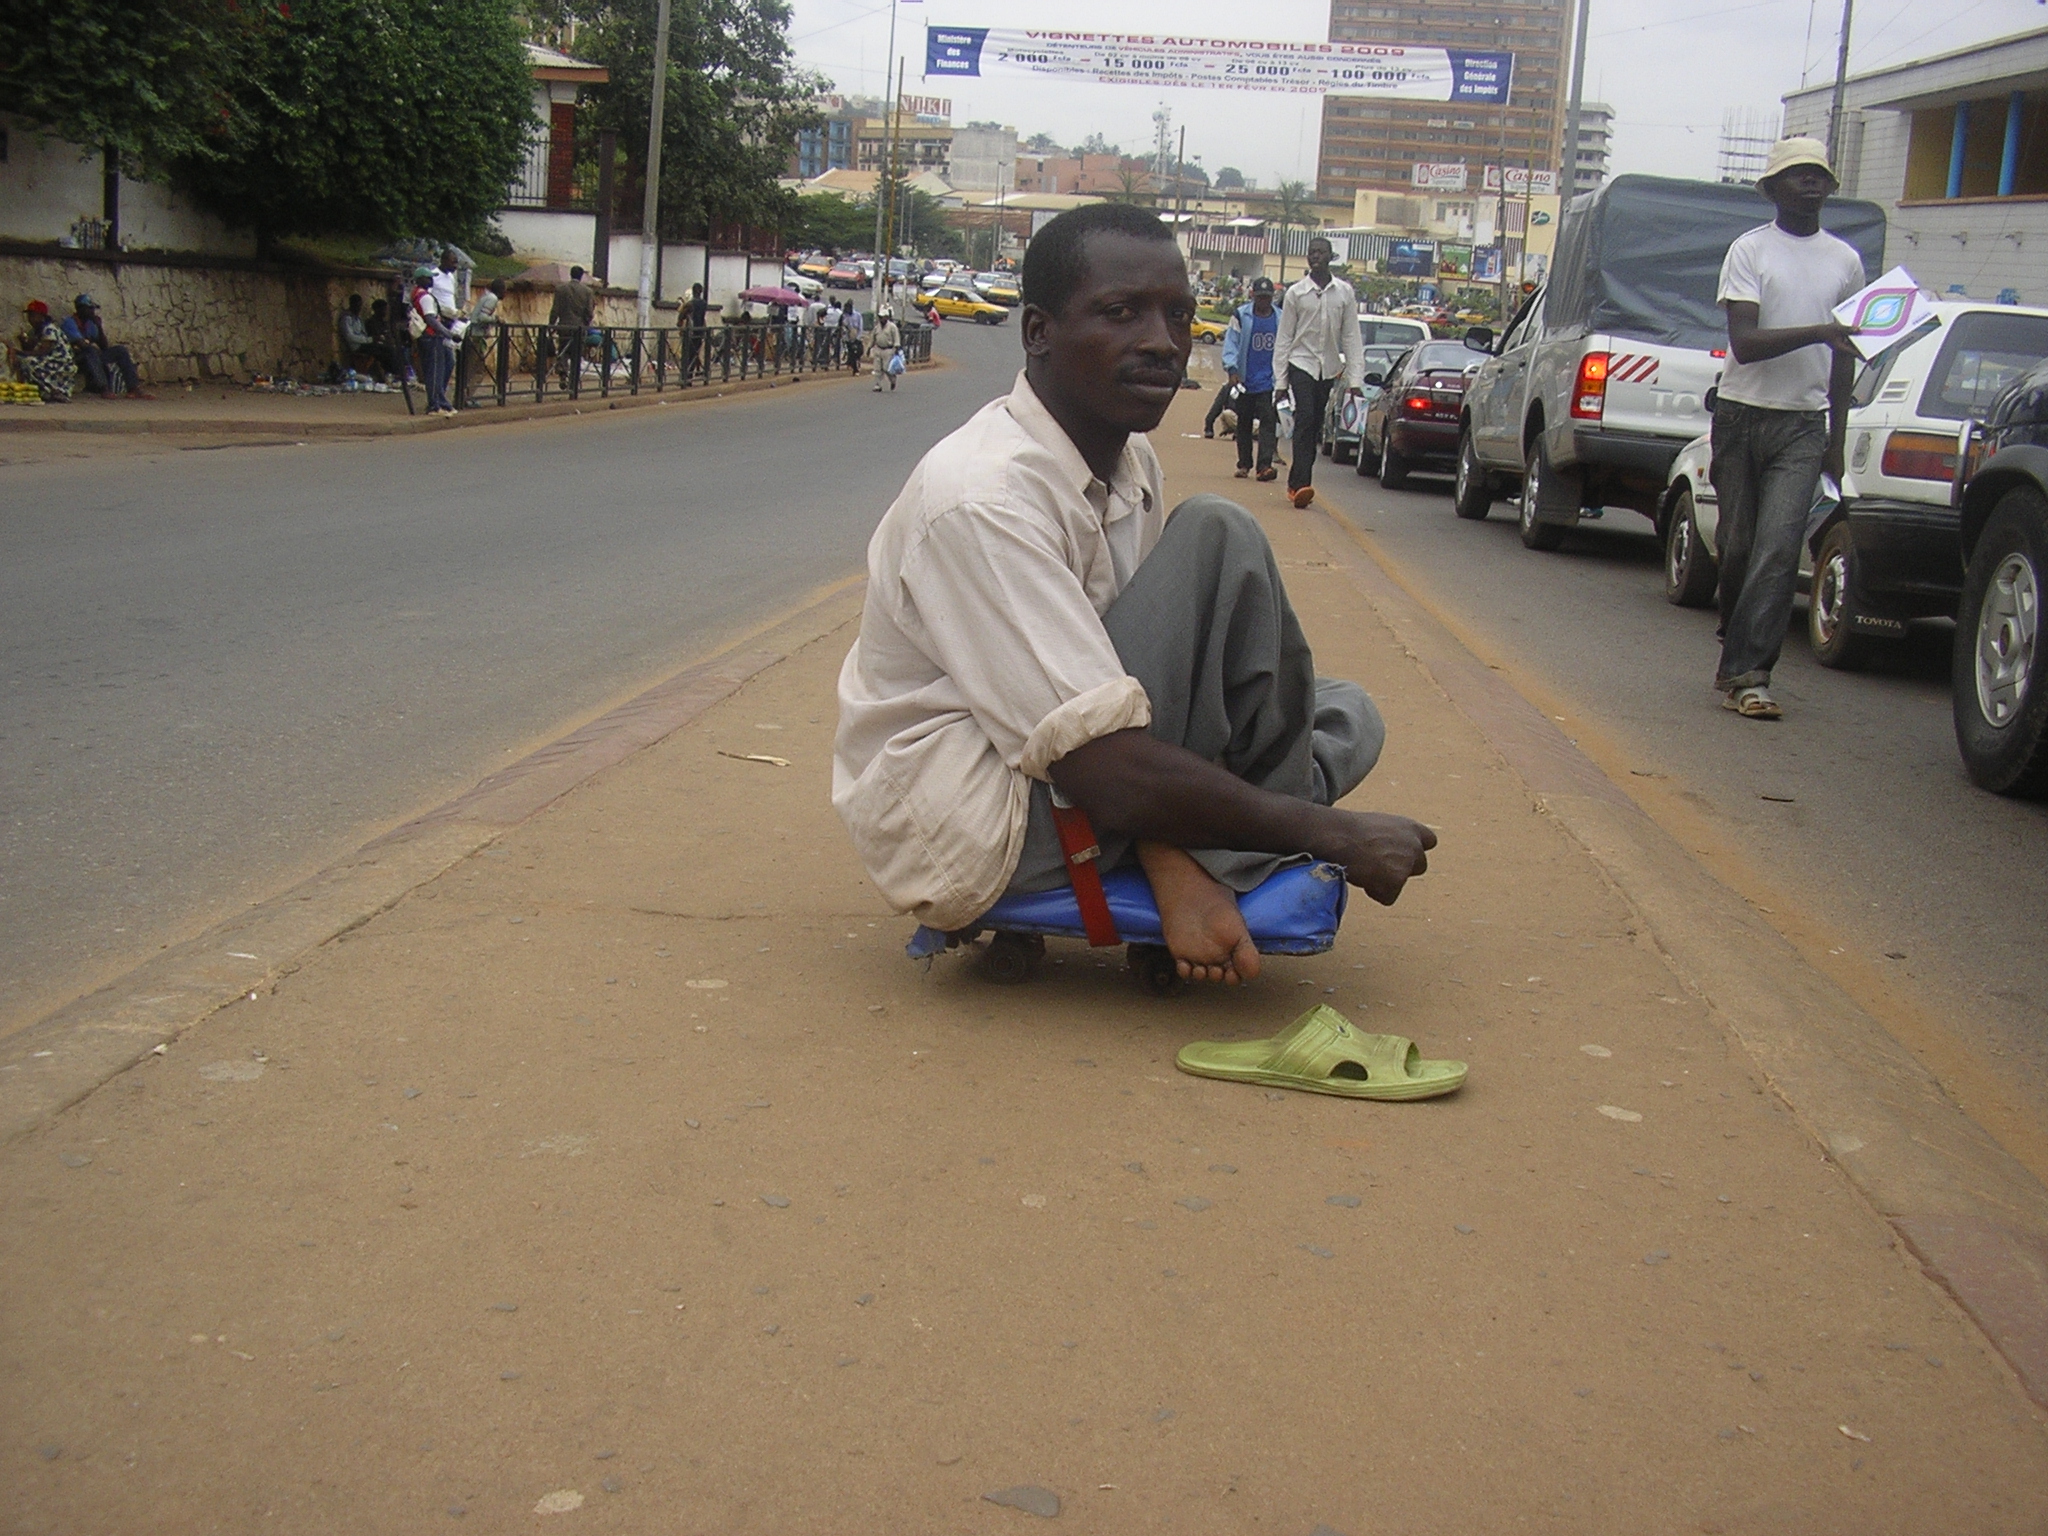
pixel 1670 68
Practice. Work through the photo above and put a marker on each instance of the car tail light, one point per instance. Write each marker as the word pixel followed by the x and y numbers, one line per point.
pixel 1919 456
pixel 1589 396
pixel 1417 405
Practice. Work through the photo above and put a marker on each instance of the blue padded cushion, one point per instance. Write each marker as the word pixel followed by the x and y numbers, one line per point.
pixel 1294 912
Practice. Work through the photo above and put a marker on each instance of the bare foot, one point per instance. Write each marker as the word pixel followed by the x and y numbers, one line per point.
pixel 1204 932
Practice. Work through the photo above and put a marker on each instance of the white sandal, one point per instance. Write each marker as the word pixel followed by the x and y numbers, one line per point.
pixel 1752 703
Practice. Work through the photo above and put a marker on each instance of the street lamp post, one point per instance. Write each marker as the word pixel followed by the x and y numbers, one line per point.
pixel 888 145
pixel 650 203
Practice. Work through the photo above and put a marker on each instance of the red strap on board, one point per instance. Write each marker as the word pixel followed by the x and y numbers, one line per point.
pixel 1077 842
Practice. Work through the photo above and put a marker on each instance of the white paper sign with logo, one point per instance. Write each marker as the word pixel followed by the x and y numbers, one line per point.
pixel 1439 178
pixel 1232 64
pixel 1523 182
pixel 1893 306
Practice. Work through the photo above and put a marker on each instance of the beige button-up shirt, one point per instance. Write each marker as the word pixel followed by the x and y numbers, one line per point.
pixel 982 659
pixel 1319 333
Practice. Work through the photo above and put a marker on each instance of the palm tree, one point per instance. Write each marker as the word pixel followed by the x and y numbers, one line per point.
pixel 1291 210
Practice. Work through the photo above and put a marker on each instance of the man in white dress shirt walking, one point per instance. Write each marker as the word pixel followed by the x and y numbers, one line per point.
pixel 1317 345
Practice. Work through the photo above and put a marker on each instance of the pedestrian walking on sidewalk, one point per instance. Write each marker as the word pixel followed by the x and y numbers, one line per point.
pixel 1318 344
pixel 888 340
pixel 1781 413
pixel 1248 360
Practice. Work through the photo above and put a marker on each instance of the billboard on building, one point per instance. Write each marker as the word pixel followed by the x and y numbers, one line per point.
pixel 1523 182
pixel 1391 70
pixel 1411 258
pixel 1454 261
pixel 1427 177
pixel 1486 264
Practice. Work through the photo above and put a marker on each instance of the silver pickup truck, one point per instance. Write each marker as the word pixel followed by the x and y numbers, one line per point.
pixel 1602 377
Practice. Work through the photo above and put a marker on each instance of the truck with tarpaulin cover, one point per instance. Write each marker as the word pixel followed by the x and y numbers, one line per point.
pixel 1604 373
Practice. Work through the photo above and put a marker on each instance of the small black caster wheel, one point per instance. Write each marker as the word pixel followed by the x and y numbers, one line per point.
pixel 1155 967
pixel 1010 957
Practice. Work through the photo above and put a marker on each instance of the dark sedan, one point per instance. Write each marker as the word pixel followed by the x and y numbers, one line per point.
pixel 1414 422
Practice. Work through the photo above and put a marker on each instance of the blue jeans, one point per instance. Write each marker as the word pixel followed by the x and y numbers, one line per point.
pixel 437 362
pixel 1766 472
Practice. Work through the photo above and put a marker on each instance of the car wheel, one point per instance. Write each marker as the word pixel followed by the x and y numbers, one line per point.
pixel 1393 466
pixel 1690 574
pixel 1368 456
pixel 1473 497
pixel 1539 494
pixel 1831 613
pixel 1209 341
pixel 2000 695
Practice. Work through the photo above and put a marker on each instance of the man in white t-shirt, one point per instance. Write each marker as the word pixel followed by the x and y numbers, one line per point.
pixel 1782 411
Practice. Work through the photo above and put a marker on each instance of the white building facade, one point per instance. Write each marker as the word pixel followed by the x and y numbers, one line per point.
pixel 1955 149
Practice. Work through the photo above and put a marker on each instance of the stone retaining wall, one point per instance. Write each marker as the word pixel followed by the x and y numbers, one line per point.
pixel 195 317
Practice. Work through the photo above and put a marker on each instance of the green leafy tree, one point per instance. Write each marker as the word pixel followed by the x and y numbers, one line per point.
pixel 376 117
pixel 1229 179
pixel 825 221
pixel 734 103
pixel 147 78
pixel 1293 208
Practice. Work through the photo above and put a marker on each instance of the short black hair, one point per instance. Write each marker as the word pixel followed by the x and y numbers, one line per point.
pixel 575 274
pixel 1058 254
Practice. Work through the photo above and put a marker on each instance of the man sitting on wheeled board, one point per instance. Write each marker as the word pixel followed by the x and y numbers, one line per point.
pixel 1036 626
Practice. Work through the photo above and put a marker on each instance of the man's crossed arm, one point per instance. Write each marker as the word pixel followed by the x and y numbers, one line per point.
pixel 1133 783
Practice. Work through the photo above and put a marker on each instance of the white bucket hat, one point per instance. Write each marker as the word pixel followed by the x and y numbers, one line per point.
pixel 1787 153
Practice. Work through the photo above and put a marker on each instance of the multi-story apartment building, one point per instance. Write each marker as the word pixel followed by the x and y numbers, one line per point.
pixel 1596 134
pixel 1376 143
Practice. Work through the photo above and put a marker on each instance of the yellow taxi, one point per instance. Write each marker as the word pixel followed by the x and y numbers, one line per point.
pixel 815 266
pixel 1000 288
pixel 956 303
pixel 1202 328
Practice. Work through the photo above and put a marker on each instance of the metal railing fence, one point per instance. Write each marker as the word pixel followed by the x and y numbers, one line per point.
pixel 504 364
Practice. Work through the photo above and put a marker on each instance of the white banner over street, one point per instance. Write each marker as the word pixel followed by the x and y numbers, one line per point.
pixel 1230 64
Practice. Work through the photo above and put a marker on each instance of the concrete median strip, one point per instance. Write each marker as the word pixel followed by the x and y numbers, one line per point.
pixel 1974 1216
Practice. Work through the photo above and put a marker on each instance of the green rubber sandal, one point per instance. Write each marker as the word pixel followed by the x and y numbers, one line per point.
pixel 1323 1052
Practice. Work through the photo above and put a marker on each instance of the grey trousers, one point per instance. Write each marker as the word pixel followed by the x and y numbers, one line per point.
pixel 1206 626
pixel 1766 471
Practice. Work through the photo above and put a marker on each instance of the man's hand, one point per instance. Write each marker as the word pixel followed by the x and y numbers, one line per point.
pixel 1230 374
pixel 1380 853
pixel 1831 462
pixel 1838 336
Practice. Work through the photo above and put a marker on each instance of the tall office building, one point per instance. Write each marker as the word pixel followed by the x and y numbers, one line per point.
pixel 1596 135
pixel 1374 142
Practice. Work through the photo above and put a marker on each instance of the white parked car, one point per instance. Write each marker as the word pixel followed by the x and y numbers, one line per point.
pixel 1892 551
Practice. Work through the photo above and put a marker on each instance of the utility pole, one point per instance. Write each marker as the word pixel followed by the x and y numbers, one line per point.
pixel 1500 203
pixel 1180 191
pixel 886 254
pixel 1570 180
pixel 881 259
pixel 1841 82
pixel 650 205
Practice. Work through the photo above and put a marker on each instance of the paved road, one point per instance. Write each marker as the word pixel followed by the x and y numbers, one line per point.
pixel 1870 821
pixel 220 670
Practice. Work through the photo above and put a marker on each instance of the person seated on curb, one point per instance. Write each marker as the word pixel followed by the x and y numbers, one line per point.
pixel 97 356
pixel 1035 624
pixel 358 348
pixel 41 356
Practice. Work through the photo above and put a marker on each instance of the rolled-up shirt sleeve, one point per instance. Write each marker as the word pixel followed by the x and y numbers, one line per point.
pixel 995 605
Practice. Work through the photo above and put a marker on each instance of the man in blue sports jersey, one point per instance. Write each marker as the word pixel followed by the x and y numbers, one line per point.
pixel 1248 360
